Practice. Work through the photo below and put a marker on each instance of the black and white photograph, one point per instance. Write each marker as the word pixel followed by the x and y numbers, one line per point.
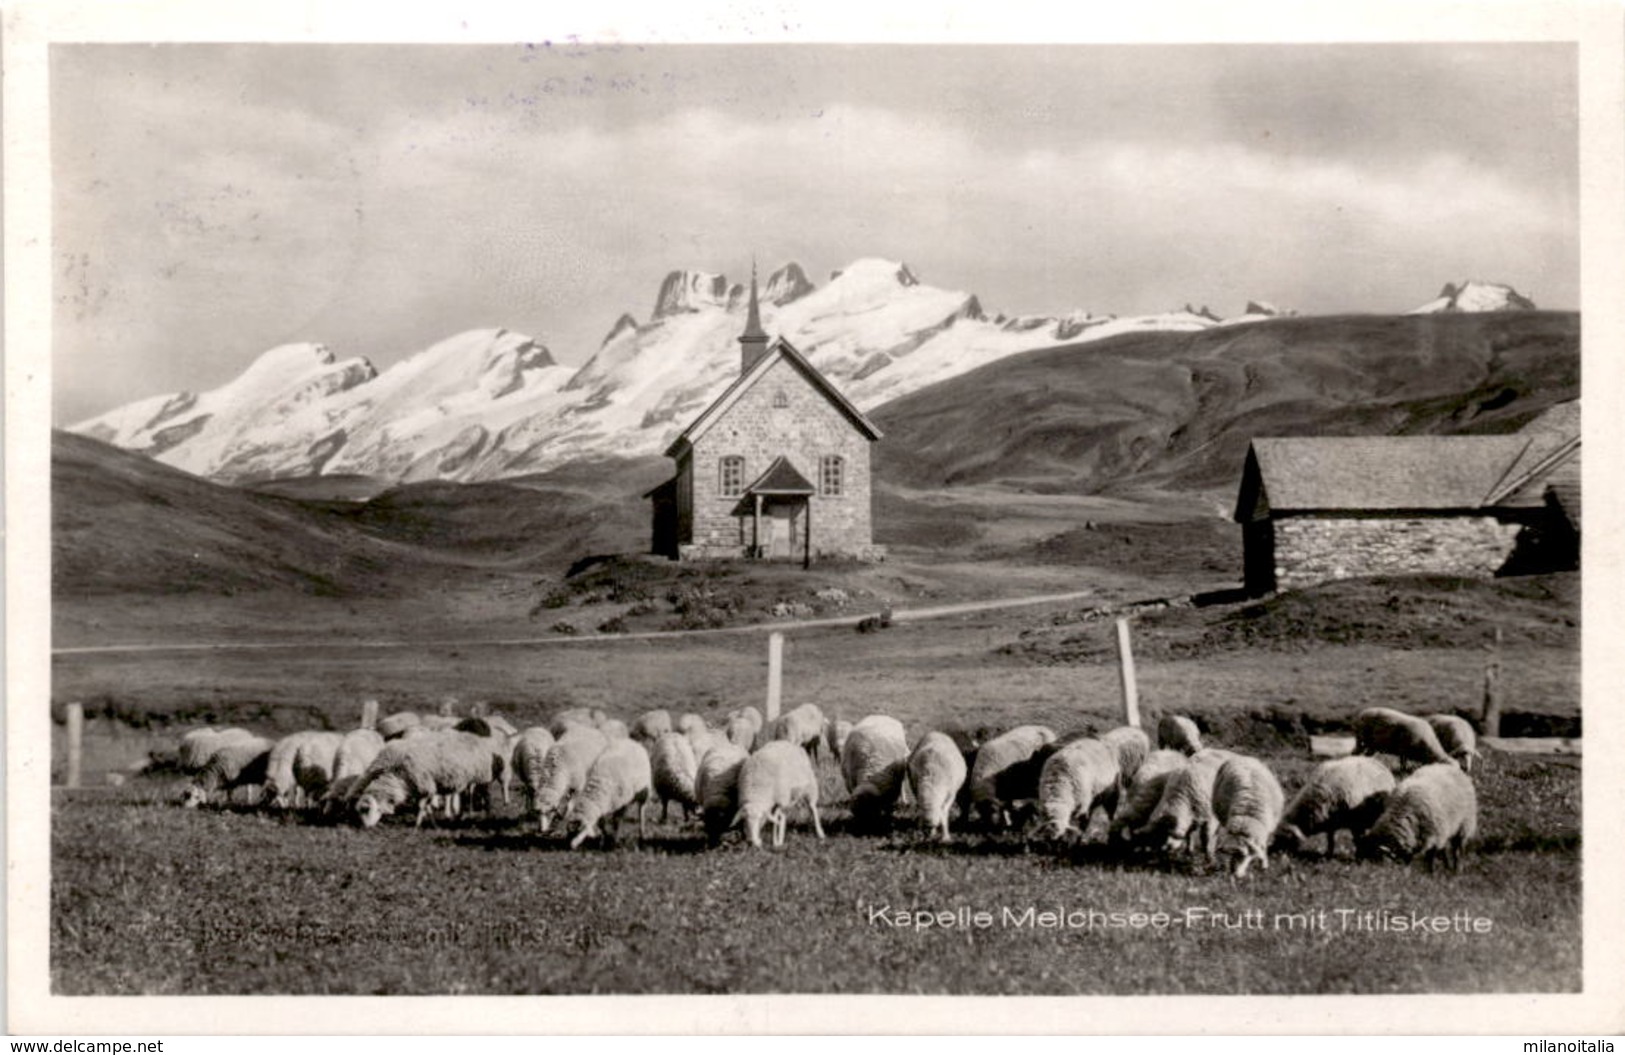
pixel 754 512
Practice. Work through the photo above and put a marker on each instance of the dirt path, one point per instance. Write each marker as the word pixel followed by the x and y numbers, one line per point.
pixel 899 615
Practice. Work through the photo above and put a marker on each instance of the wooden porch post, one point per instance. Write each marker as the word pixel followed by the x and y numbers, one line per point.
pixel 806 556
pixel 756 529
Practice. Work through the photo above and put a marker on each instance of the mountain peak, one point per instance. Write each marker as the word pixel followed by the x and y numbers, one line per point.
pixel 686 291
pixel 1475 295
pixel 625 324
pixel 788 283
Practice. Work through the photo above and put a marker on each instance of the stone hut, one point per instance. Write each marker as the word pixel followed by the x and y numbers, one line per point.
pixel 1320 508
pixel 776 468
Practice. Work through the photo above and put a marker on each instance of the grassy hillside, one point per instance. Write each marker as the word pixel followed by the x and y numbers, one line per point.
pixel 1177 410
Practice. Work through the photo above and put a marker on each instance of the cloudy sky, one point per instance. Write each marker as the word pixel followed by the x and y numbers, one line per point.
pixel 213 201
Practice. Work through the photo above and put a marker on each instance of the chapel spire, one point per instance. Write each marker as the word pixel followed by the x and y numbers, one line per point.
pixel 753 342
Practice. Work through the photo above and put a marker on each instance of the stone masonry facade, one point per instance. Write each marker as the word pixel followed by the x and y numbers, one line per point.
pixel 1316 549
pixel 782 413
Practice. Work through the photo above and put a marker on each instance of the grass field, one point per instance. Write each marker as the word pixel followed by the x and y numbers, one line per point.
pixel 149 898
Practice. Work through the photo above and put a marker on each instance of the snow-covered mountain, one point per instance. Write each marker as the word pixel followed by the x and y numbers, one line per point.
pixel 490 403
pixel 1475 296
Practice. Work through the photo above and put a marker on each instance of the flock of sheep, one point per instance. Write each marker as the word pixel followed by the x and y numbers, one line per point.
pixel 585 772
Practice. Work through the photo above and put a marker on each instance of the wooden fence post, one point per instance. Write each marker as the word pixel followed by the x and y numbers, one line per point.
pixel 1125 659
pixel 369 714
pixel 775 673
pixel 76 743
pixel 1490 722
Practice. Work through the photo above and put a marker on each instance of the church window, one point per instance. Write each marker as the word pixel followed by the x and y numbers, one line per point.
pixel 732 475
pixel 780 400
pixel 831 474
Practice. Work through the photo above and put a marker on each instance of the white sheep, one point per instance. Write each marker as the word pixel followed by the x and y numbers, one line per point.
pixel 873 764
pixel 716 787
pixel 1383 730
pixel 1140 797
pixel 617 783
pixel 674 767
pixel 691 725
pixel 1131 745
pixel 198 744
pixel 564 771
pixel 439 722
pixel 1432 813
pixel 500 726
pixel 1178 733
pixel 1184 814
pixel 704 742
pixel 416 769
pixel 836 730
pixel 281 789
pixel 574 716
pixel 995 756
pixel 741 730
pixel 356 750
pixel 1342 793
pixel 936 771
pixel 530 750
pixel 1079 777
pixel 776 778
pixel 614 729
pixel 1456 736
pixel 234 764
pixel 652 725
pixel 1247 801
pixel 391 727
pixel 313 766
pixel 803 727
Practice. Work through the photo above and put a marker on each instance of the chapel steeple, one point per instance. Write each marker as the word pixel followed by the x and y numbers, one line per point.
pixel 753 342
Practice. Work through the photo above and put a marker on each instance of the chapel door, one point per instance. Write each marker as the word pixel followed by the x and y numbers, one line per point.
pixel 779 544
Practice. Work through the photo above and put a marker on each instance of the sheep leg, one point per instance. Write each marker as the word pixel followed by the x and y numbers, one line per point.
pixel 812 808
pixel 643 832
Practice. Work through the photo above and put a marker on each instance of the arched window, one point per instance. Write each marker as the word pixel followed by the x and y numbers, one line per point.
pixel 780 400
pixel 831 474
pixel 732 475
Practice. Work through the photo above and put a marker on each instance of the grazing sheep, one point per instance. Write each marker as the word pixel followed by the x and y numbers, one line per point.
pixel 992 758
pixel 500 726
pixel 281 789
pixel 716 787
pixel 937 771
pixel 1178 733
pixel 1343 793
pixel 395 725
pixel 564 771
pixel 1456 736
pixel 1383 730
pixel 574 716
pixel 673 770
pixel 355 753
pixel 439 722
pixel 652 725
pixel 741 731
pixel 199 744
pixel 773 780
pixel 836 730
pixel 744 726
pixel 419 768
pixel 313 765
pixel 873 764
pixel 529 760
pixel 1077 778
pixel 1184 814
pixel 1140 798
pixel 234 764
pixel 1131 745
pixel 803 727
pixel 614 729
pixel 1247 800
pixel 617 782
pixel 1432 813
pixel 691 725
